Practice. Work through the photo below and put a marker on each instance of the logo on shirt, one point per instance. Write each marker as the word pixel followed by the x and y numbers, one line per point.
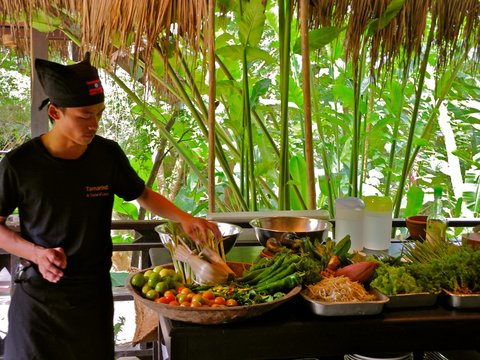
pixel 97 191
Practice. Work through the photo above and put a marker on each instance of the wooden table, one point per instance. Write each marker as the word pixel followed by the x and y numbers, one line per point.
pixel 292 332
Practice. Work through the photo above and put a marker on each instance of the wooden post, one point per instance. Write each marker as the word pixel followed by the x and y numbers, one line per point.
pixel 38 49
pixel 307 105
pixel 211 106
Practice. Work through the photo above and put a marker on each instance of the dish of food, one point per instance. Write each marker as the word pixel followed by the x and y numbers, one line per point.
pixel 462 301
pixel 339 296
pixel 209 315
pixel 324 308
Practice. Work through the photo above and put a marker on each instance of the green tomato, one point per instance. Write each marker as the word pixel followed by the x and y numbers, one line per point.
pixel 161 287
pixel 152 294
pixel 138 280
pixel 164 272
pixel 157 268
pixel 148 273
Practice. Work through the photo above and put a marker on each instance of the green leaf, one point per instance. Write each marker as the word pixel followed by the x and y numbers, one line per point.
pixel 318 38
pixel 252 23
pixel 235 52
pixel 465 156
pixel 390 12
pixel 415 197
pixel 298 169
pixel 125 208
pixel 45 23
pixel 259 89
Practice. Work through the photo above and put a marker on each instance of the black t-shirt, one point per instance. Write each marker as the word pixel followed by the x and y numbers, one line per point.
pixel 68 203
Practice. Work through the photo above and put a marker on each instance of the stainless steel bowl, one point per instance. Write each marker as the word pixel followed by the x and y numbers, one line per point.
pixel 291 227
pixel 229 232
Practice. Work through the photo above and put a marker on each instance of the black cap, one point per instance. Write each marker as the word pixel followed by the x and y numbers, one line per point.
pixel 70 85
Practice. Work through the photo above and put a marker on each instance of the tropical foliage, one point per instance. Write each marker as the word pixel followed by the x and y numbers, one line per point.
pixel 394 103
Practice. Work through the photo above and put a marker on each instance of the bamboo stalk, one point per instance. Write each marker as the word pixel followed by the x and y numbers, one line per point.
pixel 307 106
pixel 211 106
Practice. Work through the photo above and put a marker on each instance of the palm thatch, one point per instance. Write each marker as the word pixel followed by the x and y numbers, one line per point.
pixel 398 28
pixel 113 27
pixel 390 28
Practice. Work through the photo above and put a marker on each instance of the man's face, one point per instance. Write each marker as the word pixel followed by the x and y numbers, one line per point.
pixel 78 124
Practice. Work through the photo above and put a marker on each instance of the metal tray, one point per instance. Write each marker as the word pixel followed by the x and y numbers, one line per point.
pixel 460 301
pixel 411 300
pixel 346 308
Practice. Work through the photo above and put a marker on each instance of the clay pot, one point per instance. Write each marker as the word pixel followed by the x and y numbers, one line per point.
pixel 417 226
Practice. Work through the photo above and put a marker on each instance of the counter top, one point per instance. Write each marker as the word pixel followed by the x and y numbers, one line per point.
pixel 292 331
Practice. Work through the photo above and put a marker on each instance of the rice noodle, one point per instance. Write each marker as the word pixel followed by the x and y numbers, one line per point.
pixel 339 289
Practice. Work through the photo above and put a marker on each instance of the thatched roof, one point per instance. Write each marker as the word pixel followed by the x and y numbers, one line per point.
pixel 393 27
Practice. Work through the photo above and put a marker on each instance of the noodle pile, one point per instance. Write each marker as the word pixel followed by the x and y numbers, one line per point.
pixel 339 289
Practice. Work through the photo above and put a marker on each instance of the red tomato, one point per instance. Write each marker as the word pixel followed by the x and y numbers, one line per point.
pixel 208 295
pixel 231 302
pixel 181 298
pixel 199 298
pixel 170 292
pixel 196 304
pixel 170 297
pixel 174 303
pixel 162 300
pixel 185 291
pixel 217 305
pixel 219 300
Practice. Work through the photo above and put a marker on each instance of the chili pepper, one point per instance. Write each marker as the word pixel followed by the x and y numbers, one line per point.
pixel 286 283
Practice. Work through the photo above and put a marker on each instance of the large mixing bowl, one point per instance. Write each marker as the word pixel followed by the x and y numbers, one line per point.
pixel 229 233
pixel 290 227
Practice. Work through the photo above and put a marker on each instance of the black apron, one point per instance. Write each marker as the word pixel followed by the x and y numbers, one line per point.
pixel 69 320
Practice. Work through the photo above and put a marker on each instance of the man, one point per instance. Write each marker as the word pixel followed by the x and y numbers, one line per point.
pixel 63 184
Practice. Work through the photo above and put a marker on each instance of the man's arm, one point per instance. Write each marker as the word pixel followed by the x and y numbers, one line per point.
pixel 196 228
pixel 49 261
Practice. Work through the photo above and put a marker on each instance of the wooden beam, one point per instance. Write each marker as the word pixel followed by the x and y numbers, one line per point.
pixel 39 118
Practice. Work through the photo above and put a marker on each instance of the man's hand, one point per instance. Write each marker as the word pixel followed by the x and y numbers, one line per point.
pixel 50 262
pixel 199 229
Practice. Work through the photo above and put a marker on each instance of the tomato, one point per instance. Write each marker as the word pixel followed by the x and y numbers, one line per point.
pixel 157 268
pixel 196 304
pixel 185 304
pixel 208 295
pixel 231 302
pixel 170 297
pixel 174 303
pixel 153 280
pixel 185 290
pixel 170 292
pixel 164 272
pixel 199 298
pixel 145 289
pixel 138 280
pixel 182 298
pixel 219 300
pixel 162 300
pixel 151 294
pixel 161 287
pixel 148 273
pixel 217 305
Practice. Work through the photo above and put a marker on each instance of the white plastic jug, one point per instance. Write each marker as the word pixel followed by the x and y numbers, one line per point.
pixel 349 213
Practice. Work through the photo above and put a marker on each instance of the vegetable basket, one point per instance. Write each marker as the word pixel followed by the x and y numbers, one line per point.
pixel 207 315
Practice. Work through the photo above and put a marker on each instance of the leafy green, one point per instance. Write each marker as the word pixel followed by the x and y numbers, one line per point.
pixel 394 280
